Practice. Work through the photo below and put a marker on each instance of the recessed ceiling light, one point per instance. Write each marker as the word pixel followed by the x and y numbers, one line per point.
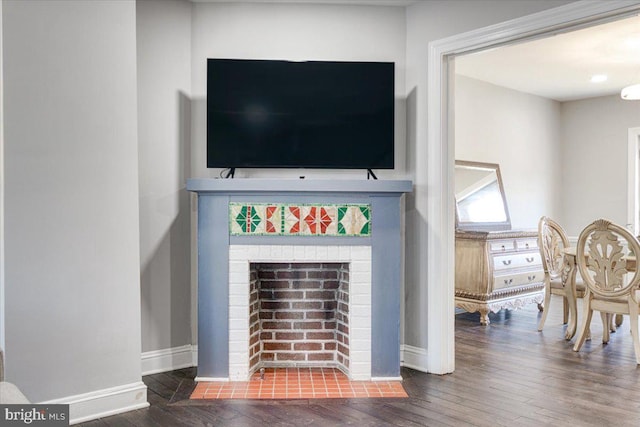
pixel 598 78
pixel 631 92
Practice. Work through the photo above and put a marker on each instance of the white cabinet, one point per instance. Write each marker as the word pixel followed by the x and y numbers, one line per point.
pixel 496 270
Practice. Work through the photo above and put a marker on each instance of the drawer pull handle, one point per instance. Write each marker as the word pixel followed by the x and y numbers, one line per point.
pixel 508 262
pixel 503 248
pixel 526 245
pixel 508 281
pixel 532 278
pixel 530 259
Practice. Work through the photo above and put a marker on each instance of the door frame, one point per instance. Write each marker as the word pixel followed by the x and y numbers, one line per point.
pixel 441 149
pixel 633 186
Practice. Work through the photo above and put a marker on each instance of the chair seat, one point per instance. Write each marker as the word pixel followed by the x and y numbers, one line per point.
pixel 623 299
pixel 557 284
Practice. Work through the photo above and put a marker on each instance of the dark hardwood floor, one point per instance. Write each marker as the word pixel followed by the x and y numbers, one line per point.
pixel 507 374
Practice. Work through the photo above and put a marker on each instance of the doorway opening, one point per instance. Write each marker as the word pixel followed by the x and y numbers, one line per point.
pixel 633 188
pixel 441 149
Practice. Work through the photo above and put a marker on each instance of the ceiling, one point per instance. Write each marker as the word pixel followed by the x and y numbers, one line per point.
pixel 400 3
pixel 560 67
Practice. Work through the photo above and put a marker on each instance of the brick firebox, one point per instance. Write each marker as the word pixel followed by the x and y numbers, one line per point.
pixel 299 315
pixel 352 310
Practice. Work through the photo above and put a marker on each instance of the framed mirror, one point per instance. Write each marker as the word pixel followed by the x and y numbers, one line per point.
pixel 481 204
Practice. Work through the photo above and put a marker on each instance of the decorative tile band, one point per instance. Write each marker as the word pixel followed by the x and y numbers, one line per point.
pixel 278 219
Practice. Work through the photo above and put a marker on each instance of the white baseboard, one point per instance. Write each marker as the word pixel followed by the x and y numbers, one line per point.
pixel 386 378
pixel 194 352
pixel 414 358
pixel 104 403
pixel 168 359
pixel 212 379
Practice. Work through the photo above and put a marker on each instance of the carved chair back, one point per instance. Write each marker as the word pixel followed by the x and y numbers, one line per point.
pixel 552 239
pixel 602 254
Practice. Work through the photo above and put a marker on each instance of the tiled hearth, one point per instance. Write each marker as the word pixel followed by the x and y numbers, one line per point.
pixel 298 383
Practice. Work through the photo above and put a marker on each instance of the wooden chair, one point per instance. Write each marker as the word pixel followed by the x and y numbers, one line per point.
pixel 609 271
pixel 552 240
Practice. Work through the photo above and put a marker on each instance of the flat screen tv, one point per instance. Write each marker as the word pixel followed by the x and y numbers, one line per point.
pixel 312 114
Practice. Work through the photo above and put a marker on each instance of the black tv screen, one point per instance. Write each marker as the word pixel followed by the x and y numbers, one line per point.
pixel 313 114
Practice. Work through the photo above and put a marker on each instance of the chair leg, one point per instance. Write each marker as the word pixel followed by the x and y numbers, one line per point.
pixel 633 319
pixel 545 311
pixel 606 326
pixel 572 324
pixel 565 310
pixel 584 331
pixel 619 319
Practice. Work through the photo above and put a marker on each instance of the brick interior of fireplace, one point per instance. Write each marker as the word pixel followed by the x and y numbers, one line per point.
pixel 299 315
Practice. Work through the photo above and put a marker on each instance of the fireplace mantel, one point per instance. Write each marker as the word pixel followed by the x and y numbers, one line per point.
pixel 217 197
pixel 250 185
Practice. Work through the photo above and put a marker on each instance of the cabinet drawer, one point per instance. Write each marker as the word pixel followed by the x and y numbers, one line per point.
pixel 527 244
pixel 516 260
pixel 518 279
pixel 502 246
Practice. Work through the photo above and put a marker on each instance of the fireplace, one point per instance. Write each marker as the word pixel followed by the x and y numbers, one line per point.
pixel 247 224
pixel 300 306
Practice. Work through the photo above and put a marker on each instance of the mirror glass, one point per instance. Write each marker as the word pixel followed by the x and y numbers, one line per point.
pixel 480 200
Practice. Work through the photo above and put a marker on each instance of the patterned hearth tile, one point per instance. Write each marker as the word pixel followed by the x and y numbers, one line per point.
pixel 299 219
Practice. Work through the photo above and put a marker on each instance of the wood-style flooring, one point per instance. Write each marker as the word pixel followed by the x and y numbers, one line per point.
pixel 507 374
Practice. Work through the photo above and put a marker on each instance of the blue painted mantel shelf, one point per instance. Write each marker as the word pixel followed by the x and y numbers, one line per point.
pixel 251 185
pixel 216 197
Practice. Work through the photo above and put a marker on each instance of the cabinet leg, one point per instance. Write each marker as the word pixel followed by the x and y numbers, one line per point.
pixel 540 307
pixel 484 316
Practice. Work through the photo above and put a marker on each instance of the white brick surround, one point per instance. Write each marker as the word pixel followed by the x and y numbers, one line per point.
pixel 359 259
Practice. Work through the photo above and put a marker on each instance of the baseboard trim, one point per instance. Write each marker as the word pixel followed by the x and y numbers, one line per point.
pixel 168 359
pixel 103 403
pixel 414 358
pixel 386 378
pixel 211 379
pixel 194 352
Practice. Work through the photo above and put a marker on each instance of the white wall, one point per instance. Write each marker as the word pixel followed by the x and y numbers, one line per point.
pixel 2 268
pixel 295 32
pixel 426 22
pixel 594 160
pixel 520 132
pixel 576 151
pixel 164 124
pixel 71 198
